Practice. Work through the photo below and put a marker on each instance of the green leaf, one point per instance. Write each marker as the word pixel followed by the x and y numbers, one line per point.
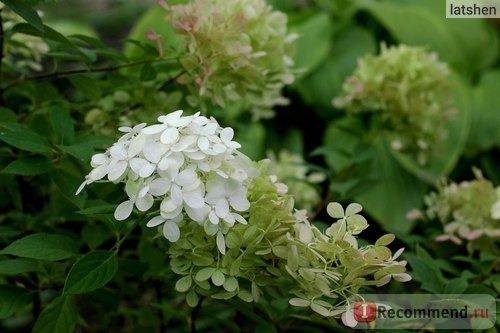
pixel 13 299
pixel 48 33
pixel 17 266
pixel 26 12
pixel 415 24
pixel 389 200
pixel 314 42
pixel 67 184
pixel 320 86
pixel 426 271
pixel 62 124
pixel 43 246
pixel 148 73
pixel 456 286
pixel 60 316
pixel 29 166
pixel 90 272
pixel 87 85
pixel 484 132
pixel 25 139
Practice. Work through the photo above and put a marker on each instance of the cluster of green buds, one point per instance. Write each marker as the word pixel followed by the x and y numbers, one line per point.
pixel 21 52
pixel 467 210
pixel 301 182
pixel 408 93
pixel 237 52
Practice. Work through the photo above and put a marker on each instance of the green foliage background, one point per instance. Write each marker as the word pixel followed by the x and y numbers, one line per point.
pixel 66 263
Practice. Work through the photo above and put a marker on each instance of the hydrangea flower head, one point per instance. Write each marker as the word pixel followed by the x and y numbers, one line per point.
pixel 408 92
pixel 236 50
pixel 467 210
pixel 188 164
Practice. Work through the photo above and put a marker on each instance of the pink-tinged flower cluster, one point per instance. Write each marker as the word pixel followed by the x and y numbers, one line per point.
pixel 237 51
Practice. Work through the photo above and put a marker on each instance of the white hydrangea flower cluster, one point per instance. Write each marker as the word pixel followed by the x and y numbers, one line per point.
pixel 188 163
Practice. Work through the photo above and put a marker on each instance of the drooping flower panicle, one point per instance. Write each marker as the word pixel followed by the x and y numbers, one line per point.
pixel 188 163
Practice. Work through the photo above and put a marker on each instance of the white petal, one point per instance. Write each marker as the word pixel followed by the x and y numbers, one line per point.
pixel 171 231
pixel 153 151
pixel 229 219
pixel 170 136
pixel 99 159
pixel 196 155
pixel 198 214
pixel 118 152
pixel 155 221
pixel 171 118
pixel 184 143
pixel 173 214
pixel 143 191
pixel 186 178
pixel 124 210
pixel 348 319
pixel 153 129
pixel 203 143
pixel 193 199
pixel 98 173
pixel 233 144
pixel 159 186
pixel 136 164
pixel 398 253
pixel 240 218
pixel 147 170
pixel 209 129
pixel 136 145
pixel 402 277
pixel 80 188
pixel 239 202
pixel 176 194
pixel 222 208
pixel 117 171
pixel 144 203
pixel 214 219
pixel 219 148
pixel 167 206
pixel 227 134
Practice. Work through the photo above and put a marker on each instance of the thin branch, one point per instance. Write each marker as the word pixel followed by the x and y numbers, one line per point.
pixel 79 71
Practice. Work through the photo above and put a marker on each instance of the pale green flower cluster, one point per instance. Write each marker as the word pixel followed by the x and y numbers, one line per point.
pixel 237 51
pixel 467 210
pixel 407 91
pixel 301 182
pixel 21 51
pixel 280 247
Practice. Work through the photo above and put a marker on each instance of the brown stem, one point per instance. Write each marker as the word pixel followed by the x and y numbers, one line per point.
pixel 77 71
